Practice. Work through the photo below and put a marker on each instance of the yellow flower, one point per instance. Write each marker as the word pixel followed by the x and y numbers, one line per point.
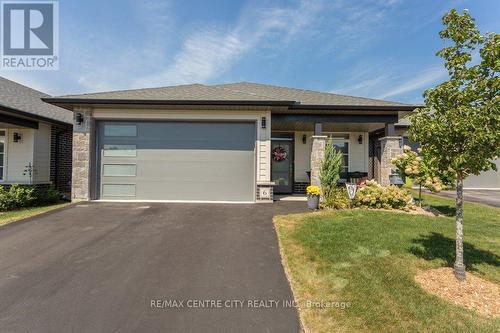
pixel 313 190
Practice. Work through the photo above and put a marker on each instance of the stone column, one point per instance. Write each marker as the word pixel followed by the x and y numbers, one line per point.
pixel 390 147
pixel 317 155
pixel 83 142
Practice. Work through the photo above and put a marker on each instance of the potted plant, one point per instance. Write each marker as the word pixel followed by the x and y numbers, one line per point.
pixel 313 194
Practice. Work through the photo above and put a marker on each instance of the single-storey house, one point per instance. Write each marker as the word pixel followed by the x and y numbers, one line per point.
pixel 35 139
pixel 241 142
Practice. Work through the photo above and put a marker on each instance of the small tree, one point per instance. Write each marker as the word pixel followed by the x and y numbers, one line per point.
pixel 459 127
pixel 331 166
pixel 422 172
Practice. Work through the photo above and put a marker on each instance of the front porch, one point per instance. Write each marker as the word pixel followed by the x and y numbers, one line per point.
pixel 368 143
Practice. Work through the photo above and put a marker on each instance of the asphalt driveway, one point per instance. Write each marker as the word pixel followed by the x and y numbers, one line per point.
pixel 97 268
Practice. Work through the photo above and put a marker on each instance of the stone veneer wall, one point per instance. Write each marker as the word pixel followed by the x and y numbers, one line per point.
pixel 390 147
pixel 317 155
pixel 82 156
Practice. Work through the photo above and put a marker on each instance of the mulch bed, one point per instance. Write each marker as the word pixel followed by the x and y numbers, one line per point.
pixel 474 293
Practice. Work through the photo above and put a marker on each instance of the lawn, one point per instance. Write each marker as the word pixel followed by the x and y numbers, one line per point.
pixel 19 214
pixel 369 258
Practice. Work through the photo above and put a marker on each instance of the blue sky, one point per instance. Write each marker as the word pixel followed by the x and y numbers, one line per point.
pixel 379 48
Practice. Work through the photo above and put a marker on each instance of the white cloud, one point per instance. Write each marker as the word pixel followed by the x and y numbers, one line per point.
pixel 419 82
pixel 208 53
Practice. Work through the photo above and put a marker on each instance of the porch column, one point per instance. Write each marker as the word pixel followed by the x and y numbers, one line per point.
pixel 390 147
pixel 317 153
pixel 83 142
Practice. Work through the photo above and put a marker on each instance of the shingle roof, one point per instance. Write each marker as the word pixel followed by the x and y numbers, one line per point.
pixel 242 91
pixel 18 97
pixel 307 97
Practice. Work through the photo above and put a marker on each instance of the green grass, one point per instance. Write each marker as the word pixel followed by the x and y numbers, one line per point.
pixel 370 258
pixel 16 215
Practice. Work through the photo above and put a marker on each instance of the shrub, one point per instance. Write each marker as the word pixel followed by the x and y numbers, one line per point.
pixel 330 169
pixel 22 196
pixel 27 196
pixel 5 202
pixel 373 195
pixel 47 195
pixel 338 199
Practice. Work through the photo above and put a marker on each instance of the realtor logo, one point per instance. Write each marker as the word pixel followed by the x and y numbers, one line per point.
pixel 29 35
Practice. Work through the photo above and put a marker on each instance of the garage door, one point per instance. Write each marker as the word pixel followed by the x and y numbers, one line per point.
pixel 194 161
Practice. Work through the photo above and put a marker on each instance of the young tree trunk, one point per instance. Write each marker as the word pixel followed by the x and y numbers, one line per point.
pixel 459 268
pixel 420 195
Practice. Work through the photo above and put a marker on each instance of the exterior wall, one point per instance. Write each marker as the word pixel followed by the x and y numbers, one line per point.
pixel 302 156
pixel 61 144
pixel 487 179
pixel 41 154
pixel 83 147
pixel 390 147
pixel 83 151
pixel 358 153
pixel 19 155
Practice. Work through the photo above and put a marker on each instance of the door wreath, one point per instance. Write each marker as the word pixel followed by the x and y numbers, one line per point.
pixel 279 154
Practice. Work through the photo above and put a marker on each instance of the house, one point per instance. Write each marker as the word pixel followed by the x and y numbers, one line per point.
pixel 487 180
pixel 241 142
pixel 35 139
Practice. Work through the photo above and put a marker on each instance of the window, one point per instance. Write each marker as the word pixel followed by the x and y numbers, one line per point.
pixel 120 150
pixel 118 190
pixel 120 130
pixel 341 143
pixel 119 170
pixel 2 154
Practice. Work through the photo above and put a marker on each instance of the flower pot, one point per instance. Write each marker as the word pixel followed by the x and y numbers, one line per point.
pixel 313 201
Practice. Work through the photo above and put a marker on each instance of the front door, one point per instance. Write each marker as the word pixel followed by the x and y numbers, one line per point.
pixel 282 165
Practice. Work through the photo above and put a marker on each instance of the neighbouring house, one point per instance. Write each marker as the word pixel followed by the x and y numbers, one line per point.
pixel 485 180
pixel 241 142
pixel 35 139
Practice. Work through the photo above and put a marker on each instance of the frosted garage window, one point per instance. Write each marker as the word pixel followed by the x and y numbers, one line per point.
pixel 120 130
pixel 120 150
pixel 118 190
pixel 119 170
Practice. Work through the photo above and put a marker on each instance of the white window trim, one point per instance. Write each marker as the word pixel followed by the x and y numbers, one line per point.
pixel 5 150
pixel 330 136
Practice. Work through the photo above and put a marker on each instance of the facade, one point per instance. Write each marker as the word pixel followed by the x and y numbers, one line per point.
pixel 241 142
pixel 35 139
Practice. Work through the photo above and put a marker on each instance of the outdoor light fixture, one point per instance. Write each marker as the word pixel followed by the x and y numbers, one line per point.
pixel 17 137
pixel 263 122
pixel 360 139
pixel 79 118
pixel 304 139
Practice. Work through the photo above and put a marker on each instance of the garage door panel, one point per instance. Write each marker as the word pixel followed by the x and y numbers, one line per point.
pixel 179 161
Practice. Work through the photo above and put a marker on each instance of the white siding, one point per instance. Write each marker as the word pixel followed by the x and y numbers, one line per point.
pixel 302 156
pixel 42 154
pixel 19 155
pixel 358 153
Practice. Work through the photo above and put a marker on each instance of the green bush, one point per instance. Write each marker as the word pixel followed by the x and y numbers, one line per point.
pixel 373 195
pixel 47 195
pixel 22 196
pixel 331 166
pixel 27 196
pixel 337 199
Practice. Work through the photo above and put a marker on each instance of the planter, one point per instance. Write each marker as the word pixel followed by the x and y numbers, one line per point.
pixel 313 202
